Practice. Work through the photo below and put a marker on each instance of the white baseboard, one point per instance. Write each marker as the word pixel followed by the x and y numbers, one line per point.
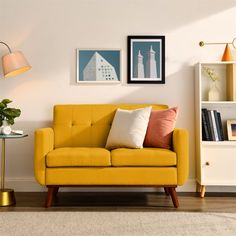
pixel 29 184
pixel 25 184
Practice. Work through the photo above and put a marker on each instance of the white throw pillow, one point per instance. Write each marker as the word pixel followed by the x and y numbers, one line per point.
pixel 128 128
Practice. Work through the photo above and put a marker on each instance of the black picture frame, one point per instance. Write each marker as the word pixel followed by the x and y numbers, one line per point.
pixel 146 60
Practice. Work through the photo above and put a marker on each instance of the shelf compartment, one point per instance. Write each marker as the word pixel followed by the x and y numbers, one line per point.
pixel 226 83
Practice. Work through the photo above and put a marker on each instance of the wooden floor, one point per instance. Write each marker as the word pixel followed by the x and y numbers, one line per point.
pixel 121 202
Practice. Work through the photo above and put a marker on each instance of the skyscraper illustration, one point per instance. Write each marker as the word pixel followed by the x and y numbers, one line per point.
pixel 151 68
pixel 99 69
pixel 139 68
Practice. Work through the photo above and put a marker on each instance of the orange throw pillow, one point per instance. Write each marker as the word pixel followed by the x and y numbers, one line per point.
pixel 160 127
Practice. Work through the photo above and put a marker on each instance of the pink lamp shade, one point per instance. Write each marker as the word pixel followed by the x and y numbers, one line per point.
pixel 14 63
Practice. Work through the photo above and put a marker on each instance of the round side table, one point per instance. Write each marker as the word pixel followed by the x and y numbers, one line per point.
pixel 7 196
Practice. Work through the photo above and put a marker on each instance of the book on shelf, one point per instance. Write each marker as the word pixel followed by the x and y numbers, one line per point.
pixel 214 126
pixel 203 132
pixel 217 125
pixel 220 126
pixel 211 126
pixel 205 126
pixel 212 129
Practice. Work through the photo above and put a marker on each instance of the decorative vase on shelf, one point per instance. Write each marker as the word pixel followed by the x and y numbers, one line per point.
pixel 5 128
pixel 214 92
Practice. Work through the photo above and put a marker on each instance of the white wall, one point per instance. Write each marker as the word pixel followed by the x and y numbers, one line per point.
pixel 49 31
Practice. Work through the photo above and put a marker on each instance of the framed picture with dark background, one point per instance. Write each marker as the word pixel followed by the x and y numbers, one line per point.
pixel 146 59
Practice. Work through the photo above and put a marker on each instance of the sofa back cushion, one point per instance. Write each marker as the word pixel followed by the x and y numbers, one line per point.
pixel 87 125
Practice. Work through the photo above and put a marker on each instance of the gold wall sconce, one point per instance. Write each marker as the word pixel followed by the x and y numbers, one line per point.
pixel 227 56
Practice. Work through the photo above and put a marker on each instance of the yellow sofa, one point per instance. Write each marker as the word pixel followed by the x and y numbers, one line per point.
pixel 72 153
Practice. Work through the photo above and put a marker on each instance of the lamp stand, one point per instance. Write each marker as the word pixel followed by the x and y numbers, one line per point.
pixel 7 196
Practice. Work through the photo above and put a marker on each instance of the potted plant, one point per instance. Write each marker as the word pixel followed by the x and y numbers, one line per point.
pixel 7 114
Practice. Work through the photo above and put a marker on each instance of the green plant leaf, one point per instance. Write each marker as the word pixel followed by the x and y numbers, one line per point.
pixel 6 101
pixel 11 112
pixel 10 121
pixel 2 105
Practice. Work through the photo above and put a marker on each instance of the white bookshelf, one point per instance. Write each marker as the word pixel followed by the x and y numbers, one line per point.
pixel 215 160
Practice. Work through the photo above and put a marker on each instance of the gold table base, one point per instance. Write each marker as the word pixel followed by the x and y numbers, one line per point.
pixel 7 197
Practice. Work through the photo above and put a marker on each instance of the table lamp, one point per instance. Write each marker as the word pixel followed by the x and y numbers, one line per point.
pixel 14 63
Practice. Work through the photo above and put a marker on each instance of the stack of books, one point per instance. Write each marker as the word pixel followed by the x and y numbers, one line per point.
pixel 212 129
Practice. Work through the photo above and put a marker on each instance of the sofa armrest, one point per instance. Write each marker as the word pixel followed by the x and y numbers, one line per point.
pixel 43 143
pixel 180 143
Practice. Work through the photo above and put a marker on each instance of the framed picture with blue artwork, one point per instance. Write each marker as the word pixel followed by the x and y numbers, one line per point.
pixel 146 59
pixel 98 66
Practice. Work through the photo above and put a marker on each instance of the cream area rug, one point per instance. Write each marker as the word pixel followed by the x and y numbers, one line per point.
pixel 117 223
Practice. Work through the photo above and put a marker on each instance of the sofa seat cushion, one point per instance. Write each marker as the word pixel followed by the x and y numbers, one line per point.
pixel 82 156
pixel 143 157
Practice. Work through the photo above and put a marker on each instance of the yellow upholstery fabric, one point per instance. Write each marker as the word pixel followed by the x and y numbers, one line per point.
pixel 65 157
pixel 181 147
pixel 43 143
pixel 143 157
pixel 87 125
pixel 112 176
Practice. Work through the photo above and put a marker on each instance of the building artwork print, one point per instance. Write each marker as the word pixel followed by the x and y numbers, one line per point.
pixel 98 66
pixel 146 59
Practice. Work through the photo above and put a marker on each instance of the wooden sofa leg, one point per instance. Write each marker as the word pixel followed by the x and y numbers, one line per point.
pixel 56 189
pixel 166 191
pixel 173 196
pixel 52 192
